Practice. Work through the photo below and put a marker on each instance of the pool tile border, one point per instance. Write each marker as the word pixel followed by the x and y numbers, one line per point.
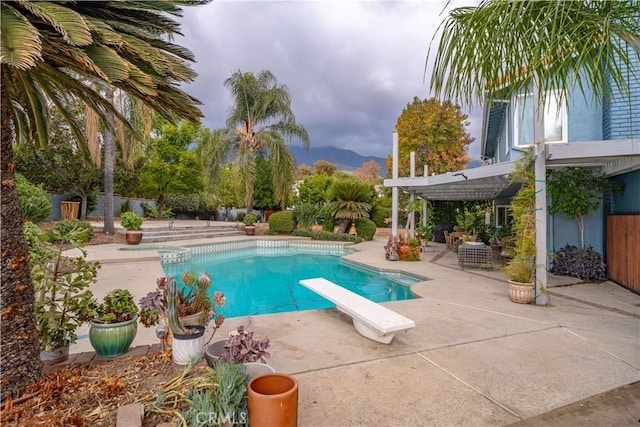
pixel 185 254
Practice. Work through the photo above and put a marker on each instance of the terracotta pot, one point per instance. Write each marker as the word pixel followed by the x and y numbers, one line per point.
pixel 249 230
pixel 522 293
pixel 134 237
pixel 403 252
pixel 273 400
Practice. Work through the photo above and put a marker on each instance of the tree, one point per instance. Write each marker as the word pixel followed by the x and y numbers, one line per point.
pixel 368 172
pixel 436 132
pixel 352 199
pixel 49 51
pixel 171 166
pixel 315 189
pixel 576 192
pixel 264 198
pixel 260 122
pixel 323 167
pixel 557 44
pixel 303 171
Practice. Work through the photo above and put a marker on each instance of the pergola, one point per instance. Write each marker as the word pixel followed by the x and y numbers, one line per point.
pixel 493 181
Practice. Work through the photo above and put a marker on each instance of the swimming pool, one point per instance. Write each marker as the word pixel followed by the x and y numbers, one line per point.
pixel 263 279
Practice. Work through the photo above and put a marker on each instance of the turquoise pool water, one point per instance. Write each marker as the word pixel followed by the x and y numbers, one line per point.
pixel 258 281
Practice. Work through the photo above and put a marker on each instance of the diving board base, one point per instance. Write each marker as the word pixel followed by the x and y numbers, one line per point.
pixel 368 332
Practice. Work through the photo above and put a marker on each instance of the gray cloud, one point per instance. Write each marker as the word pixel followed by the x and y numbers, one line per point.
pixel 351 66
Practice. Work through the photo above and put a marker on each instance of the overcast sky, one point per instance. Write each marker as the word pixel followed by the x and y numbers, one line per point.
pixel 351 66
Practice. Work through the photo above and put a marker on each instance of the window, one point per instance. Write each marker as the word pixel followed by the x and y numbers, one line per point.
pixel 555 120
pixel 502 216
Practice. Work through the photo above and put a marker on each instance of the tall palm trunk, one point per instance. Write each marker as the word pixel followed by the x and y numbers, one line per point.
pixel 109 149
pixel 19 360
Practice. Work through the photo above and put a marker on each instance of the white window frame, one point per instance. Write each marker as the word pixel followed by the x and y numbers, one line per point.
pixel 505 134
pixel 551 97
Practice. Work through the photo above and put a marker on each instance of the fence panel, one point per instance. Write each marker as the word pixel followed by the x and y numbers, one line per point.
pixel 623 250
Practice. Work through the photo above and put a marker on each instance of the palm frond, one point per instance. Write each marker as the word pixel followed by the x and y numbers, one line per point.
pixel 500 47
pixel 21 44
pixel 68 23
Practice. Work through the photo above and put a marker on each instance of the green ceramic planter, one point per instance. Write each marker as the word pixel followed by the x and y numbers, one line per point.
pixel 112 339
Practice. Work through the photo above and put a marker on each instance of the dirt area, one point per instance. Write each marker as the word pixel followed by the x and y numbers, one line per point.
pixel 90 396
pixel 99 238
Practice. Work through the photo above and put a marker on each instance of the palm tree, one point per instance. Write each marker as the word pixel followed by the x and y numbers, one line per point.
pixel 261 121
pixel 50 52
pixel 557 44
pixel 351 200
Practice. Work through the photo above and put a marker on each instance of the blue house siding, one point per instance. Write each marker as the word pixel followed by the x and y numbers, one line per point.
pixel 566 231
pixel 629 202
pixel 621 115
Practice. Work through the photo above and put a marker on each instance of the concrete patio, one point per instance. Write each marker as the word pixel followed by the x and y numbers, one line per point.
pixel 474 357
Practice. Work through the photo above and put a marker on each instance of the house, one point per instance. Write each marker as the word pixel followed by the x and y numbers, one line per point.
pixel 594 133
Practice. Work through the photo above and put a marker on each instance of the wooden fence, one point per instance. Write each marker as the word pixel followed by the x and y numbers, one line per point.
pixel 623 250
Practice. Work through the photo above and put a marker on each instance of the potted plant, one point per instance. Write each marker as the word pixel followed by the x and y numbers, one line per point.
pixel 249 224
pixel 414 250
pixel 194 304
pixel 424 233
pixel 132 222
pixel 241 347
pixel 62 296
pixel 188 340
pixel 391 248
pixel 520 270
pixel 114 324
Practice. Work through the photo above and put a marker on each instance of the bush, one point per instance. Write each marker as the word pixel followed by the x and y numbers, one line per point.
pixel 195 204
pixel 250 219
pixel 282 223
pixel 32 233
pixel 585 264
pixel 33 201
pixel 125 206
pixel 326 235
pixel 131 221
pixel 240 216
pixel 365 228
pixel 379 215
pixel 151 211
pixel 72 229
pixel 306 214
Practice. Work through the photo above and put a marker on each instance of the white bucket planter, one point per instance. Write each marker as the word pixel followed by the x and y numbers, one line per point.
pixel 253 369
pixel 188 348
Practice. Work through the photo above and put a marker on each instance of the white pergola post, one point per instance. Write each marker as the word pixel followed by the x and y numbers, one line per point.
pixel 540 169
pixel 394 189
pixel 412 197
pixel 425 174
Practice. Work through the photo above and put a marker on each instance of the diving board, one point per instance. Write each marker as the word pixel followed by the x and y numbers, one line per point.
pixel 370 319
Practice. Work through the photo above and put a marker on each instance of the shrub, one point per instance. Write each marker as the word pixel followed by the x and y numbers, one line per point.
pixel 125 206
pixel 586 264
pixel 131 221
pixel 240 216
pixel 33 201
pixel 250 219
pixel 32 233
pixel 365 228
pixel 72 229
pixel 195 204
pixel 306 214
pixel 282 222
pixel 327 235
pixel 151 211
pixel 379 215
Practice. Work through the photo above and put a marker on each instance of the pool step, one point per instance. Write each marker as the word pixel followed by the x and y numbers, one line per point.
pixel 164 234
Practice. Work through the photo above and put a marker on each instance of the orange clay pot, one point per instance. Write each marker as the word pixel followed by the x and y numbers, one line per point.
pixel 273 400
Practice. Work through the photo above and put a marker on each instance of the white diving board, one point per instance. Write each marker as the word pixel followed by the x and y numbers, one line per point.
pixel 370 319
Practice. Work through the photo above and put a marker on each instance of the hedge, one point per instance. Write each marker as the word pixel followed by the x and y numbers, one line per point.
pixel 365 228
pixel 282 222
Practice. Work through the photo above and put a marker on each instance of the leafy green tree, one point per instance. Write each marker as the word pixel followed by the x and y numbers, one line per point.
pixel 315 189
pixel 171 166
pixel 260 122
pixel 49 50
pixel 263 197
pixel 576 192
pixel 436 132
pixel 60 166
pixel 558 44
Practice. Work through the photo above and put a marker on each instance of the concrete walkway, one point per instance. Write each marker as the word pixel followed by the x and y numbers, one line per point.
pixel 474 357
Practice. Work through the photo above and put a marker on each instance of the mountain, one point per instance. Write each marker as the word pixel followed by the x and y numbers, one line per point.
pixel 345 160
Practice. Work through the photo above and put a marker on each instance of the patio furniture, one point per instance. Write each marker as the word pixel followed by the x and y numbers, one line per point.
pixel 448 239
pixel 370 319
pixel 474 253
